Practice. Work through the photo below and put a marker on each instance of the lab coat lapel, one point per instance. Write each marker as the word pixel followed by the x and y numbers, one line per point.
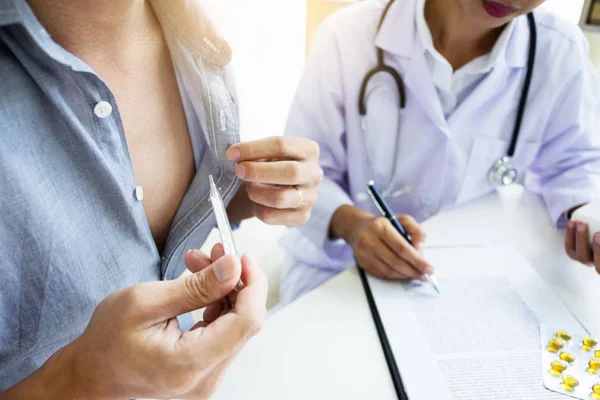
pixel 491 86
pixel 398 37
pixel 419 82
pixel 494 84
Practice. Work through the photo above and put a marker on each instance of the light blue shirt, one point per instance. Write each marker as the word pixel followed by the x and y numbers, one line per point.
pixel 72 229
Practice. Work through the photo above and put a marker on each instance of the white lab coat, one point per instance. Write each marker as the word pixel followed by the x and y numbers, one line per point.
pixel 445 161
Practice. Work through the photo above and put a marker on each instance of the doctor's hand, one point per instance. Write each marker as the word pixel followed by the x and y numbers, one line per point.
pixel 281 176
pixel 577 244
pixel 378 247
pixel 133 346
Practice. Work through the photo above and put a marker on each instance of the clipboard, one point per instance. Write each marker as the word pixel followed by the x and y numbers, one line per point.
pixel 388 353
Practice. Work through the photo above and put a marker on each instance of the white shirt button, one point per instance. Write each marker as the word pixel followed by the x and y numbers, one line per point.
pixel 426 199
pixel 139 193
pixel 103 109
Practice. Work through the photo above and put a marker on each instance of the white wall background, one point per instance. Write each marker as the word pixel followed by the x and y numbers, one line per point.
pixel 268 38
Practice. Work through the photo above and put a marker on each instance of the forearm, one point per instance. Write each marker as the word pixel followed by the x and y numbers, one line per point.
pixel 58 378
pixel 240 207
pixel 346 221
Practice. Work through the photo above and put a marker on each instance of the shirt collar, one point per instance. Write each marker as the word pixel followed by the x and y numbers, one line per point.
pixel 186 21
pixel 8 13
pixel 405 26
pixel 497 57
pixel 398 33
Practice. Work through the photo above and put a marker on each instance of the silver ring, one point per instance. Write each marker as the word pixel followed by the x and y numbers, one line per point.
pixel 299 198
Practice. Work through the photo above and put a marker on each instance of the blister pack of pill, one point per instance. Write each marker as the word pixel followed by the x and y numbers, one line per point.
pixel 571 363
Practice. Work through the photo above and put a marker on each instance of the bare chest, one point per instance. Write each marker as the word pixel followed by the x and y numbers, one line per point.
pixel 159 143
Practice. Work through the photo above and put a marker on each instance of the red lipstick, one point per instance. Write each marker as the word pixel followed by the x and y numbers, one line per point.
pixel 497 10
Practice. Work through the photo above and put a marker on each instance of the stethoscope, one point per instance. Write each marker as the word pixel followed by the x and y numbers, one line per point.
pixel 503 172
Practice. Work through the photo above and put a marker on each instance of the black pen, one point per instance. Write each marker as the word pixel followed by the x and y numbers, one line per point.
pixel 386 211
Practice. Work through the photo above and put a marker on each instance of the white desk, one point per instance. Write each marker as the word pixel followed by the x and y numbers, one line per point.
pixel 324 346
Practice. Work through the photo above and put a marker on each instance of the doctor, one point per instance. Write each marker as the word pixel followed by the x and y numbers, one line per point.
pixel 439 102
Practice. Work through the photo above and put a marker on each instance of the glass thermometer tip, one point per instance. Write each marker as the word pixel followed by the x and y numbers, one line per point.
pixel 223 225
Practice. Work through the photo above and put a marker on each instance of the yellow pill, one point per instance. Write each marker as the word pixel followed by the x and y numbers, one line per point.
pixel 568 357
pixel 597 354
pixel 588 341
pixel 558 366
pixel 595 396
pixel 563 335
pixel 568 380
pixel 593 366
pixel 596 388
pixel 554 372
pixel 586 348
pixel 554 345
pixel 567 387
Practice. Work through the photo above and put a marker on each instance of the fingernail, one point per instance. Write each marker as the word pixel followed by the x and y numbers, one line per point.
pixel 580 227
pixel 240 171
pixel 429 270
pixel 194 253
pixel 233 154
pixel 570 225
pixel 597 238
pixel 225 269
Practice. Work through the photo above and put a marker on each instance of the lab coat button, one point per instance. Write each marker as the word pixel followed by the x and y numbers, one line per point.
pixel 103 109
pixel 426 199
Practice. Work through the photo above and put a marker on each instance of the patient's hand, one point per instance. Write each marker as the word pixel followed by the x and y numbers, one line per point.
pixel 577 244
pixel 281 176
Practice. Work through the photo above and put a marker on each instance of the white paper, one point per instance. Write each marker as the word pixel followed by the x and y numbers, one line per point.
pixel 479 339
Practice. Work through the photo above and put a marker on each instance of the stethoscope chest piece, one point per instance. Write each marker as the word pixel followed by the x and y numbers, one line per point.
pixel 503 172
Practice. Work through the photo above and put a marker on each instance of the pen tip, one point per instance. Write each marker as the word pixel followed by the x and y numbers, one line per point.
pixel 371 183
pixel 434 283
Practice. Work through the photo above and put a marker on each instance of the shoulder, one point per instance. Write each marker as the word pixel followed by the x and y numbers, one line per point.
pixel 559 38
pixel 355 21
pixel 356 14
pixel 22 98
